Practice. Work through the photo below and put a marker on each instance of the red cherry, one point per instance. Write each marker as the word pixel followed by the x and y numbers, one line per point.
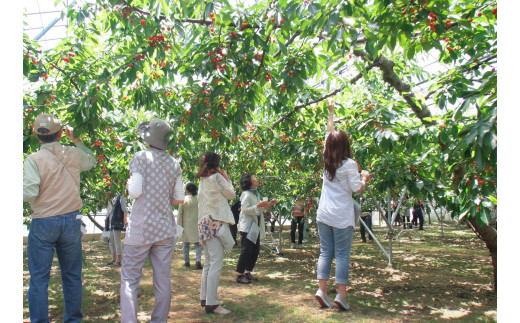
pixel 143 22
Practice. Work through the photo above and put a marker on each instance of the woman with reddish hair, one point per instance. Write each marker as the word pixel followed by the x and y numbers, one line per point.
pixel 336 216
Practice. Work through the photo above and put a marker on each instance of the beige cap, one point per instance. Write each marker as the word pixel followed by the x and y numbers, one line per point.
pixel 46 124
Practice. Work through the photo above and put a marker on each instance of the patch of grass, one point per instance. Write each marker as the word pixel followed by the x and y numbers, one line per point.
pixel 432 279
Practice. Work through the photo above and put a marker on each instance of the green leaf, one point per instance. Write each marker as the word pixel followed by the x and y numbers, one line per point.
pixel 209 8
pixel 410 52
pixel 369 46
pixel 392 42
pixel 313 9
pixel 33 77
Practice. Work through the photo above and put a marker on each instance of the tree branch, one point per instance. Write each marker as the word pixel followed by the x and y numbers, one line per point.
pixel 68 76
pixel 290 41
pixel 390 77
pixel 298 107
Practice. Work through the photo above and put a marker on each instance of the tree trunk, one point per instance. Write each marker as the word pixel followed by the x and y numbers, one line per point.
pixel 488 234
pixel 99 226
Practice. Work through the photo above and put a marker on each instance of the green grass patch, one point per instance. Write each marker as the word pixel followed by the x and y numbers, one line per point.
pixel 432 279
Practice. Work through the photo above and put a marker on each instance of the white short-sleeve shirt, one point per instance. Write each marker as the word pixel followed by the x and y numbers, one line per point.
pixel 336 206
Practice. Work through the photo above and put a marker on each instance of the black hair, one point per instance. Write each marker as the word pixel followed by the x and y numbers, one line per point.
pixel 246 181
pixel 47 138
pixel 191 188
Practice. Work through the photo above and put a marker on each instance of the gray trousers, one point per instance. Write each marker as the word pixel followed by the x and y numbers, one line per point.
pixel 134 258
pixel 213 261
pixel 115 242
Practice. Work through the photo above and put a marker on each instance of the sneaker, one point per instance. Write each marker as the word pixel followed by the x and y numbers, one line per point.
pixel 300 246
pixel 293 245
pixel 241 279
pixel 341 302
pixel 217 309
pixel 323 299
pixel 250 277
pixel 198 265
pixel 362 241
pixel 186 264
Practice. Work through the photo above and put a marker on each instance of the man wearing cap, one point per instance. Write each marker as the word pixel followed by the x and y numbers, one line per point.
pixel 156 185
pixel 51 184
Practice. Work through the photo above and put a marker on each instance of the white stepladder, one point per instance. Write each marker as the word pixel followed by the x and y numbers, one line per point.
pixel 269 241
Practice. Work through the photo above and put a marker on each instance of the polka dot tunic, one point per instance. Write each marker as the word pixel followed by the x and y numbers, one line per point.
pixel 152 218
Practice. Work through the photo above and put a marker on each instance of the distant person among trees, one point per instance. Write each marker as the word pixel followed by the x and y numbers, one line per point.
pixel 115 223
pixel 251 220
pixel 366 216
pixel 156 185
pixel 336 215
pixel 215 191
pixel 418 214
pixel 398 218
pixel 297 221
pixel 407 224
pixel 188 218
pixel 51 181
pixel 235 209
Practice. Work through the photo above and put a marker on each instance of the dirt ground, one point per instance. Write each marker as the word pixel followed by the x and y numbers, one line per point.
pixel 432 278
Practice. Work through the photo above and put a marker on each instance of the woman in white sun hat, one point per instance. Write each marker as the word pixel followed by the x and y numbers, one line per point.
pixel 156 185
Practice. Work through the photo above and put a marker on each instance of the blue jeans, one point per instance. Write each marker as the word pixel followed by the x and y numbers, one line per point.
pixel 334 243
pixel 63 234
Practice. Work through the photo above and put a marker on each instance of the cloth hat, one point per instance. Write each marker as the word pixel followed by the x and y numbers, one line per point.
pixel 46 124
pixel 155 133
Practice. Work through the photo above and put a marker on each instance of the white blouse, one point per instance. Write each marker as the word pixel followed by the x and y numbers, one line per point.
pixel 336 206
pixel 214 193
